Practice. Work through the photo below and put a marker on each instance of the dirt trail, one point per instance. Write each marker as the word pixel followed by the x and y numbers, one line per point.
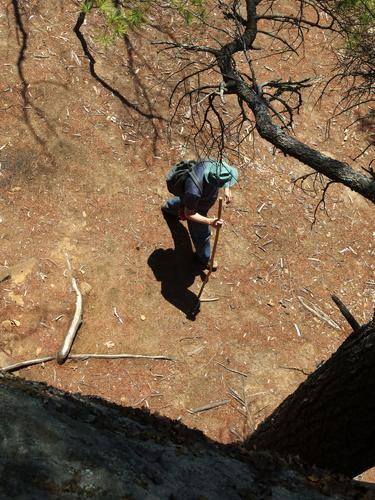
pixel 82 174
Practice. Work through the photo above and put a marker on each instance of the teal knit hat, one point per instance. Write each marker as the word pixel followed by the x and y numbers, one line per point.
pixel 220 172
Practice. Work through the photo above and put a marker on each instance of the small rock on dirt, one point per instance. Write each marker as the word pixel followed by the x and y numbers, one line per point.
pixel 7 325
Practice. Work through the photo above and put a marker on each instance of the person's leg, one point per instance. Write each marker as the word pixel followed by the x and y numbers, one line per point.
pixel 172 206
pixel 180 235
pixel 200 235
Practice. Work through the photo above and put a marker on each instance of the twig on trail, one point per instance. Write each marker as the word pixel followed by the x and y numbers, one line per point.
pixel 297 329
pixel 263 408
pixel 210 406
pixel 190 338
pixel 267 243
pixel 25 364
pixel 145 398
pixel 318 312
pixel 232 369
pixel 4 273
pixel 122 356
pixel 346 313
pixel 295 369
pixel 58 317
pixel 73 328
pixel 261 207
pixel 235 433
pixel 117 315
pixel 236 396
pixel 214 299
pixel 142 400
pixel 83 357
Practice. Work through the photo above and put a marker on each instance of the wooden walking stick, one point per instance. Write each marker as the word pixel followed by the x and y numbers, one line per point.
pixel 195 310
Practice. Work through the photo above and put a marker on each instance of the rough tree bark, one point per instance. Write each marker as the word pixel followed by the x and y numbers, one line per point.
pixel 61 446
pixel 329 420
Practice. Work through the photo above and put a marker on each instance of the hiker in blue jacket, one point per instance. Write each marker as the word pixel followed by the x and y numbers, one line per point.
pixel 201 190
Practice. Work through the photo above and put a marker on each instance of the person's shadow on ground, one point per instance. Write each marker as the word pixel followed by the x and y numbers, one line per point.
pixel 176 269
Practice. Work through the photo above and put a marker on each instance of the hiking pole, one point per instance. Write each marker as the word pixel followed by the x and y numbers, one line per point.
pixel 195 309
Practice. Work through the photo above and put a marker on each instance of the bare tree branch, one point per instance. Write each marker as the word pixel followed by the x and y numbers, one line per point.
pixel 261 99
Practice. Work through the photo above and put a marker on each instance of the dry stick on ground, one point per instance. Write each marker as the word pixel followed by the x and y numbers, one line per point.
pixel 346 313
pixel 46 359
pixel 25 364
pixel 73 328
pixel 122 356
pixel 295 369
pixel 74 325
pixel 232 370
pixel 318 312
pixel 210 406
pixel 4 273
pixel 236 396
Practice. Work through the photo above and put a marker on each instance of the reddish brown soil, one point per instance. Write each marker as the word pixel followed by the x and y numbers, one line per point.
pixel 83 175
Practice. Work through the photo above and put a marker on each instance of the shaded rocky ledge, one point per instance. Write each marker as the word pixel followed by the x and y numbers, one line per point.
pixel 59 445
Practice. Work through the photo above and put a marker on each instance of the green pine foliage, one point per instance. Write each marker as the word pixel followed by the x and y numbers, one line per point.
pixel 357 17
pixel 365 9
pixel 120 18
pixel 190 10
pixel 361 13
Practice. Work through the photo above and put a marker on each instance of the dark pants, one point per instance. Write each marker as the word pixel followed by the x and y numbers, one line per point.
pixel 199 233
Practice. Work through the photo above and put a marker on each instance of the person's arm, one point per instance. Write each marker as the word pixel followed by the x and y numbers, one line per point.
pixel 195 217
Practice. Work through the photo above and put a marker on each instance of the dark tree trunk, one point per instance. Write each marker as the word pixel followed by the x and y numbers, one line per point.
pixel 330 419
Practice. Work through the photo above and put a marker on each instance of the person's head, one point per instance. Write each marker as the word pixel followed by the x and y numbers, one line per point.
pixel 220 173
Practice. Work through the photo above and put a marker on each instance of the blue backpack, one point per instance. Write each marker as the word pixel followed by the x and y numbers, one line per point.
pixel 177 175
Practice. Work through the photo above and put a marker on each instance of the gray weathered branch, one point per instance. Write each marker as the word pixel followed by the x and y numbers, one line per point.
pixel 73 328
pixel 37 361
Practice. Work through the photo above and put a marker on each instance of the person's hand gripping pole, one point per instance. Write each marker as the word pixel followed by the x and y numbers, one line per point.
pixel 217 225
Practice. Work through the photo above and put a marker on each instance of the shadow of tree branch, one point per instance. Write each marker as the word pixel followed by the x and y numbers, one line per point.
pixel 27 103
pixel 140 87
pixel 147 114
